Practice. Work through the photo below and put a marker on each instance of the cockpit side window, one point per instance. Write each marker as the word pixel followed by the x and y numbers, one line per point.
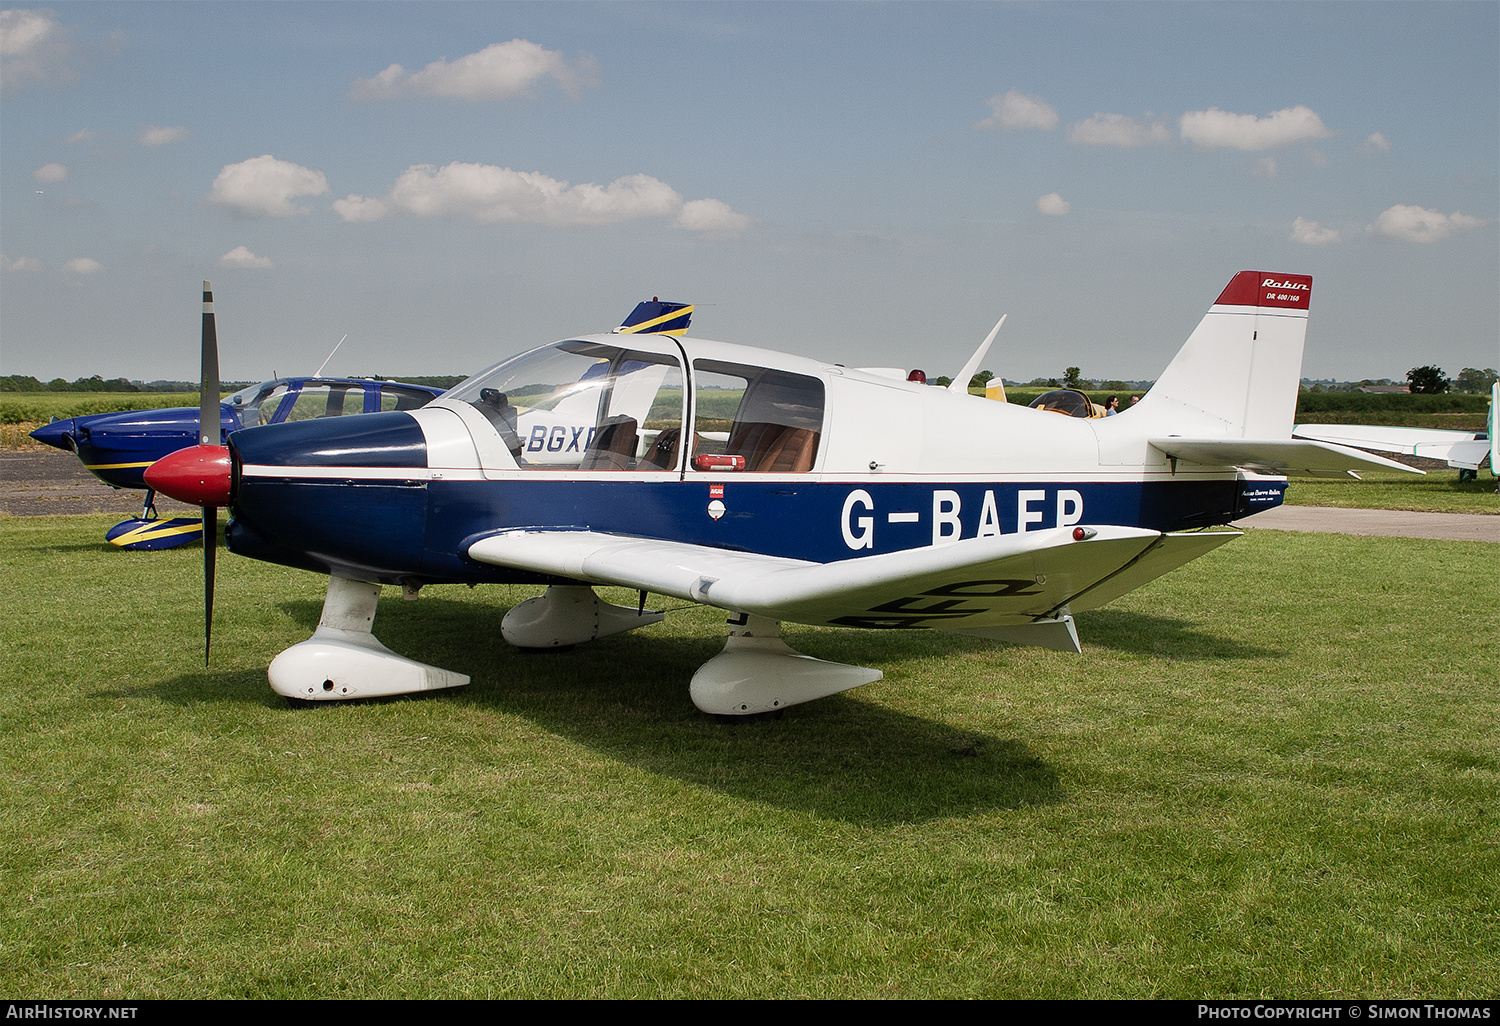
pixel 584 406
pixel 395 397
pixel 755 420
pixel 316 401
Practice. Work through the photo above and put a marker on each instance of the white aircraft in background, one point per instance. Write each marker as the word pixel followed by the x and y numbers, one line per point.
pixel 1463 450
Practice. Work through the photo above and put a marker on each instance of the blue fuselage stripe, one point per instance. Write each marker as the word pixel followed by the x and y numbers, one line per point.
pixel 411 530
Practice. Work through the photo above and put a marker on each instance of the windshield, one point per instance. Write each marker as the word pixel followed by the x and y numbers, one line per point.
pixel 247 402
pixel 584 406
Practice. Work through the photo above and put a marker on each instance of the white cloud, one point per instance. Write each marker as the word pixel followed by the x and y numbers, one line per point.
pixel 1015 110
pixel 1118 130
pixel 1054 205
pixel 1375 143
pixel 31 46
pixel 360 208
pixel 82 265
pixel 265 186
pixel 19 264
pixel 240 257
pixel 153 136
pixel 50 173
pixel 498 72
pixel 1214 129
pixel 1265 167
pixel 713 217
pixel 1311 233
pixel 1417 224
pixel 488 194
pixel 21 32
pixel 82 135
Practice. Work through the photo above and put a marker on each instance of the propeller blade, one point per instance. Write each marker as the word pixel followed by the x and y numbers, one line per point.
pixel 210 555
pixel 209 433
pixel 208 405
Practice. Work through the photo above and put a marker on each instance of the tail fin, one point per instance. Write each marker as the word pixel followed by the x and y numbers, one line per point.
pixel 658 318
pixel 1238 373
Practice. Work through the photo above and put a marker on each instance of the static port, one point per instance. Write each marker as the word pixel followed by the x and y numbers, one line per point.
pixel 328 685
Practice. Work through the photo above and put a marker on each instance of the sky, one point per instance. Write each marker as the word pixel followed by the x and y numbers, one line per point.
pixel 869 184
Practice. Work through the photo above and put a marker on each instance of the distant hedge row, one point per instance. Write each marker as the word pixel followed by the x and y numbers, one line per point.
pixel 1390 402
pixel 40 407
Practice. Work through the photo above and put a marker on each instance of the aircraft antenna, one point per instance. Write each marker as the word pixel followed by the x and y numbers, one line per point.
pixel 960 384
pixel 319 372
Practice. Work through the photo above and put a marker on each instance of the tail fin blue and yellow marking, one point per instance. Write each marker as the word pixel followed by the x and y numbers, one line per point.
pixel 658 318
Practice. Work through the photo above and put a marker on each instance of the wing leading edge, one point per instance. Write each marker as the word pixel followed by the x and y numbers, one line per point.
pixel 978 583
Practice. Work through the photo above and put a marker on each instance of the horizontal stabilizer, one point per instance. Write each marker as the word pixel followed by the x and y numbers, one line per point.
pixel 1275 455
pixel 977 582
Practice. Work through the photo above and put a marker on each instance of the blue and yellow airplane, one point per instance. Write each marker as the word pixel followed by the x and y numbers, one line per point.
pixel 118 447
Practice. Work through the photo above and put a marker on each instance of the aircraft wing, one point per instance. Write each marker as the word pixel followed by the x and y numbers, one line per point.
pixel 1276 455
pixel 1013 579
pixel 1465 449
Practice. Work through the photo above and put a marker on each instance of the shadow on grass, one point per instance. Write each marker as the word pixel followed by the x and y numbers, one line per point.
pixel 1162 637
pixel 627 698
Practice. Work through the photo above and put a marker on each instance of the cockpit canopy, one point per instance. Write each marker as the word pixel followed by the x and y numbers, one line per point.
pixel 586 404
pixel 1068 401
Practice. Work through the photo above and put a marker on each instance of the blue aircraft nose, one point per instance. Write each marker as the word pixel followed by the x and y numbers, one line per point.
pixel 58 434
pixel 118 447
pixel 345 496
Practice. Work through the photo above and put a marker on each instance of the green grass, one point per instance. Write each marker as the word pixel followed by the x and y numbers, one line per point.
pixel 1272 773
pixel 1440 491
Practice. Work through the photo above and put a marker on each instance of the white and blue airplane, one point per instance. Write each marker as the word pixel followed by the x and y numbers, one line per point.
pixel 772 486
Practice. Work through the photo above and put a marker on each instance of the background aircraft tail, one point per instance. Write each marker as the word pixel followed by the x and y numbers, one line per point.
pixel 1237 375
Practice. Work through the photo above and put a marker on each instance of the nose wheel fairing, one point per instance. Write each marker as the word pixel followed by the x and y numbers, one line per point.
pixel 342 659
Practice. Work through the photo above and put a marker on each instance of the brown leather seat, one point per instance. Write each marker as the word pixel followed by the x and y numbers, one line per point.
pixel 774 448
pixel 613 447
pixel 663 452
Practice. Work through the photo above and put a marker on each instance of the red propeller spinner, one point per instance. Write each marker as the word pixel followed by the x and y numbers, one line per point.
pixel 199 475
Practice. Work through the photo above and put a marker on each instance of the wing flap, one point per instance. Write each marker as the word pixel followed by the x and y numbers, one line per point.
pixel 1275 455
pixel 978 582
pixel 1170 552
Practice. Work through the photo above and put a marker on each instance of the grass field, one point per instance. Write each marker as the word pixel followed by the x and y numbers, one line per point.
pixel 1272 773
pixel 40 407
pixel 1439 492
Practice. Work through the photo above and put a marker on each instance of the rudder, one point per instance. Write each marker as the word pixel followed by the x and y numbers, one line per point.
pixel 1238 373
